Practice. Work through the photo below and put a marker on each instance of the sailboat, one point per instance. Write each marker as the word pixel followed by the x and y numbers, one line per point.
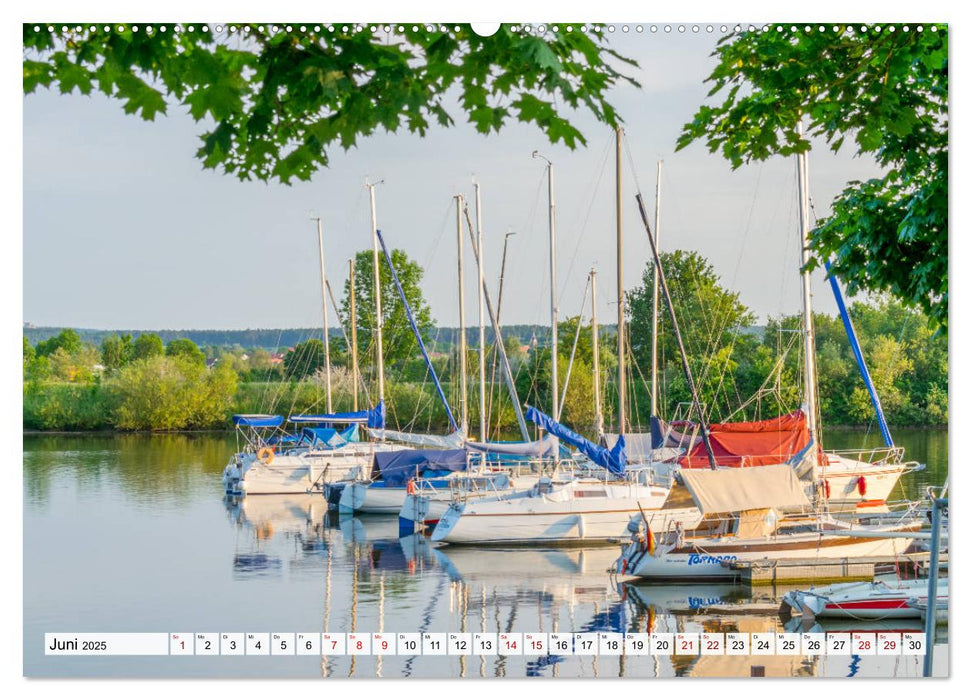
pixel 750 516
pixel 303 458
pixel 314 451
pixel 854 480
pixel 595 500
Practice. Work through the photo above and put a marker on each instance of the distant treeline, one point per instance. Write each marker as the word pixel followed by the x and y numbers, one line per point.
pixel 273 339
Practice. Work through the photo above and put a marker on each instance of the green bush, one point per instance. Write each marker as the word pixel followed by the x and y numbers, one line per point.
pixel 171 393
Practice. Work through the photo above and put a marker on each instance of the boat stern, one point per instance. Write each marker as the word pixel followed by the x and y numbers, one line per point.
pixel 445 531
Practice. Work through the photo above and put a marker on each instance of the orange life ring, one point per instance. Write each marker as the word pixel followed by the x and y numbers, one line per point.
pixel 265 455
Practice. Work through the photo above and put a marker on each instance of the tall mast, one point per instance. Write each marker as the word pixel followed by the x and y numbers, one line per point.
pixel 483 417
pixel 378 320
pixel 495 349
pixel 323 299
pixel 621 354
pixel 675 331
pixel 657 288
pixel 494 319
pixel 809 337
pixel 354 369
pixel 595 335
pixel 554 345
pixel 463 370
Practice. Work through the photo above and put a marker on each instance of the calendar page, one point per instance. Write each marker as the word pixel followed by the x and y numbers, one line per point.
pixel 450 350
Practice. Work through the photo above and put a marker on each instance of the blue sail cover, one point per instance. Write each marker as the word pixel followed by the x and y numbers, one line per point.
pixel 395 468
pixel 371 417
pixel 252 420
pixel 613 460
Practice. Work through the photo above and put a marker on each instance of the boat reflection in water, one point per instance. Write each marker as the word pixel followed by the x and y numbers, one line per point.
pixel 723 609
pixel 354 574
pixel 271 529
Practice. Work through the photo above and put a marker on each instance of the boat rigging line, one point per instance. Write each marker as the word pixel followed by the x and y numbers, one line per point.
pixel 677 333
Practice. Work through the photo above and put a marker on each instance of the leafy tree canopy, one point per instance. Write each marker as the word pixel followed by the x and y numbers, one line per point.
pixel 116 351
pixel 147 345
pixel 183 347
pixel 397 337
pixel 886 88
pixel 709 314
pixel 280 98
pixel 29 353
pixel 67 340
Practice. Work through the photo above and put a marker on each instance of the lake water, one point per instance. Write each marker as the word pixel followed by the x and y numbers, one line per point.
pixel 131 534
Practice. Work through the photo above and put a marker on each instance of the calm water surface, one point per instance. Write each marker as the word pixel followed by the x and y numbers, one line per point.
pixel 131 534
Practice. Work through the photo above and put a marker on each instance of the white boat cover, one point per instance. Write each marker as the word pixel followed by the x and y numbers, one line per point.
pixel 547 447
pixel 639 448
pixel 638 445
pixel 733 490
pixel 454 441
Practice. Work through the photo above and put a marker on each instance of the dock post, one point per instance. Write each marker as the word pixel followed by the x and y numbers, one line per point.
pixel 939 504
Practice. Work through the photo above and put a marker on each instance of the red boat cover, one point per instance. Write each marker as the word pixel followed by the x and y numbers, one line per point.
pixel 756 443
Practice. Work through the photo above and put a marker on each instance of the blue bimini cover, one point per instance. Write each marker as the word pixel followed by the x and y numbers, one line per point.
pixel 395 468
pixel 255 420
pixel 613 460
pixel 372 417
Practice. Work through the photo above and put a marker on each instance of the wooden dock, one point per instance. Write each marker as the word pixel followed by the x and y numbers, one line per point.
pixel 815 571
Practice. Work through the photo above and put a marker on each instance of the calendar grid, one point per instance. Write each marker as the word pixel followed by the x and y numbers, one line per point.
pixel 534 644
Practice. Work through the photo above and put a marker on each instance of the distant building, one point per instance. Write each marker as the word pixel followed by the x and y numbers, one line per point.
pixel 276 358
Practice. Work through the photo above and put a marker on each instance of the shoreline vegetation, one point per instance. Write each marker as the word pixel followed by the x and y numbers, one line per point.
pixel 130 383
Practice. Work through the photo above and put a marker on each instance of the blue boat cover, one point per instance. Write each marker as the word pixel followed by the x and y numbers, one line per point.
pixel 328 437
pixel 371 417
pixel 613 460
pixel 396 468
pixel 254 420
pixel 284 440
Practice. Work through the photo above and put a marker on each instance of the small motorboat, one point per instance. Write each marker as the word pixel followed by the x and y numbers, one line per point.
pixel 875 600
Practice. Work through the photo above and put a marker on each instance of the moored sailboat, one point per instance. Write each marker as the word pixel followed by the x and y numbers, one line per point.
pixel 754 515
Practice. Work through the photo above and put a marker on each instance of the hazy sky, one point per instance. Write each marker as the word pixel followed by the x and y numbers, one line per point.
pixel 123 228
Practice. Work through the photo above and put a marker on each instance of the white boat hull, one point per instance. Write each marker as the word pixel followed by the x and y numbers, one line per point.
pixel 865 601
pixel 558 517
pixel 853 482
pixel 299 470
pixel 703 559
pixel 366 497
pixel 427 506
